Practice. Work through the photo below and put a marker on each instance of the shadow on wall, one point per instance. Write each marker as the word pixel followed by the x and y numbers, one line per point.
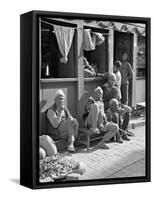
pixel 82 103
pixel 44 105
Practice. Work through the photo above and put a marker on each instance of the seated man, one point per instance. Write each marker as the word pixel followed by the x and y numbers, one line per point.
pixel 112 92
pixel 96 118
pixel 115 113
pixel 63 125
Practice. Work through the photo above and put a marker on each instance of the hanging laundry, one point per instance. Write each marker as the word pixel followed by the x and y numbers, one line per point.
pixel 91 41
pixel 87 40
pixel 64 36
pixel 97 39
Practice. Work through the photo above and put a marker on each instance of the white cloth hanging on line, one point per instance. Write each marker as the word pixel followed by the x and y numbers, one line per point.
pixel 64 36
pixel 97 39
pixel 91 41
pixel 87 40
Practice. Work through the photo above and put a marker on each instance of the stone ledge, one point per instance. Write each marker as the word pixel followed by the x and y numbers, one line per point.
pixel 138 123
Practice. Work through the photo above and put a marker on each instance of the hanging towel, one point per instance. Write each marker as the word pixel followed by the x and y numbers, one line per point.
pixel 90 42
pixel 87 42
pixel 64 36
pixel 97 39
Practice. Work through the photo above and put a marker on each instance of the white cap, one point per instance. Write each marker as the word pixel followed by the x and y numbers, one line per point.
pixel 98 89
pixel 112 75
pixel 113 101
pixel 59 92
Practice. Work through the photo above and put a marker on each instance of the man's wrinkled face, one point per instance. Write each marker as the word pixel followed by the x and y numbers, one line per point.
pixel 111 81
pixel 60 101
pixel 99 94
pixel 114 106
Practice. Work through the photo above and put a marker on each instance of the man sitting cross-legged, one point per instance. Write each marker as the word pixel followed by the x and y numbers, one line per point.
pixel 96 118
pixel 115 114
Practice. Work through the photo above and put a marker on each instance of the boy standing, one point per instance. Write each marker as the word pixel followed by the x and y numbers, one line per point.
pixel 126 75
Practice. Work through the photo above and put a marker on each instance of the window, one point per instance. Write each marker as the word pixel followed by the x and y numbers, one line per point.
pixel 96 53
pixel 51 65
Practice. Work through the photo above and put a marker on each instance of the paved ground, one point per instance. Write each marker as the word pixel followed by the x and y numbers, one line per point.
pixel 121 160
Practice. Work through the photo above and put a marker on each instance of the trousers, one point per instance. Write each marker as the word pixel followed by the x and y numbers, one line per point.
pixel 68 130
pixel 95 119
pixel 124 93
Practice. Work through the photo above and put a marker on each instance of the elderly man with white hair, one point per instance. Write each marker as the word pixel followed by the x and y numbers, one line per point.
pixel 96 118
pixel 62 124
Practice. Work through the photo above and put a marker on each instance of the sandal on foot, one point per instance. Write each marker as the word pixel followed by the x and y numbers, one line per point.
pixel 102 146
pixel 71 149
pixel 130 133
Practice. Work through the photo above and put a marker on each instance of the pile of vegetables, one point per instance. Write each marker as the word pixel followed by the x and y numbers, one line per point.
pixel 57 167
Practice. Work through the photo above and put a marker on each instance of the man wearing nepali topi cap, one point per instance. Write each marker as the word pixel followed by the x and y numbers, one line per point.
pixel 62 124
pixel 96 118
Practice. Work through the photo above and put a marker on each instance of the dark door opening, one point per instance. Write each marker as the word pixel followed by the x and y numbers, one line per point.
pixel 123 42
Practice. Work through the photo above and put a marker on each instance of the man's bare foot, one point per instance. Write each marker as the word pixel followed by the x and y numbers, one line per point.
pixel 102 145
pixel 71 148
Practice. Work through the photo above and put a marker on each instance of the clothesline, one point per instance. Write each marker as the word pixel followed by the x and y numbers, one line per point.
pixel 102 33
pixel 91 32
pixel 52 23
pixel 49 23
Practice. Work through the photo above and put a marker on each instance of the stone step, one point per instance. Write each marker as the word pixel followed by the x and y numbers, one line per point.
pixel 134 123
pixel 73 177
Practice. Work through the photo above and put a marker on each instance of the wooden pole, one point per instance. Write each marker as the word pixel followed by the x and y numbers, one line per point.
pixel 111 50
pixel 80 72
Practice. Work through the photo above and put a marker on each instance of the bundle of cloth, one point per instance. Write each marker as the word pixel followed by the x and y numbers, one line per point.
pixel 47 146
pixel 92 39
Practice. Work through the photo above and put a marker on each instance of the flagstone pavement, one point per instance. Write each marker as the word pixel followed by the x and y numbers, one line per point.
pixel 121 160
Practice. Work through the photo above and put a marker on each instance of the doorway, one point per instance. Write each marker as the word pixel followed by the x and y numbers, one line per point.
pixel 123 42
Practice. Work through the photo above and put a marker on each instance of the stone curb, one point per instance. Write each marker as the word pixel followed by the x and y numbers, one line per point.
pixel 133 125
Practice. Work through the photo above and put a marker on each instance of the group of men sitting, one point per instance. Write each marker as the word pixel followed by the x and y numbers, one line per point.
pixel 104 114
